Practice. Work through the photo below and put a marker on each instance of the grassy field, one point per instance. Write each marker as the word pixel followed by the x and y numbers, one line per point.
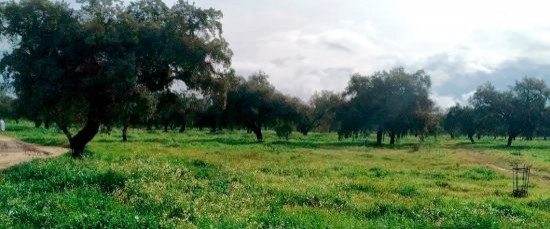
pixel 227 180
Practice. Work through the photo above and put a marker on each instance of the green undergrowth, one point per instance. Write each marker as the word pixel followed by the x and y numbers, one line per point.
pixel 227 180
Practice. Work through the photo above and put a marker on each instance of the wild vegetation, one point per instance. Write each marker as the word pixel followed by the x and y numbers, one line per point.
pixel 227 179
pixel 177 139
pixel 108 64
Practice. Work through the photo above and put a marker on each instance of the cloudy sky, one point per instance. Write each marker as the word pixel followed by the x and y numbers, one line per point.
pixel 311 45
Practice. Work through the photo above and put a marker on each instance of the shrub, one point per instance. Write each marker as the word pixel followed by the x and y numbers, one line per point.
pixel 283 129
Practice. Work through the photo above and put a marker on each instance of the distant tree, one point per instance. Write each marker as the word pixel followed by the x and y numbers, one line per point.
pixel 136 110
pixel 283 128
pixel 520 109
pixel 7 107
pixel 469 122
pixel 393 102
pixel 544 125
pixel 256 104
pixel 320 109
pixel 530 96
pixel 73 66
pixel 463 120
pixel 451 121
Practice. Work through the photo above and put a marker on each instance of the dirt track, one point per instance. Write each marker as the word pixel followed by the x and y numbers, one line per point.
pixel 13 151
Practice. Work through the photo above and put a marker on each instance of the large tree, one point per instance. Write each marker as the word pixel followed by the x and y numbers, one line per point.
pixel 77 67
pixel 394 102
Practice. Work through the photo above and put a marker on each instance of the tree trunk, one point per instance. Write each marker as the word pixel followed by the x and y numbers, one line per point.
pixel 392 138
pixel 182 128
pixel 47 124
pixel 379 134
pixel 165 128
pixel 79 141
pixel 471 137
pixel 258 132
pixel 452 136
pixel 510 138
pixel 125 133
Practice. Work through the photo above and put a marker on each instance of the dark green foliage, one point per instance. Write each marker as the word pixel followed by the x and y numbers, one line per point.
pixel 95 64
pixel 229 180
pixel 255 104
pixel 283 129
pixel 393 102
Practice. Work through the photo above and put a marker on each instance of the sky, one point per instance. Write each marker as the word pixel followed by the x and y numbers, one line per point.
pixel 312 45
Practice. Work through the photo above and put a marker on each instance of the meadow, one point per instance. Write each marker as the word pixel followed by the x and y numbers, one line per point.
pixel 228 180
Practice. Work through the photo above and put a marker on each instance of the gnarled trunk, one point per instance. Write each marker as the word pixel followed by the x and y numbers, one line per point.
pixel 79 141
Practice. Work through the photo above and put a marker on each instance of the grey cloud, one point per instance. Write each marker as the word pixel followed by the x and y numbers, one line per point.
pixel 283 61
pixel 502 77
pixel 336 46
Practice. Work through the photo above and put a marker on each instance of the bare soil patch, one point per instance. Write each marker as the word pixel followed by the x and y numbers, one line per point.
pixel 13 152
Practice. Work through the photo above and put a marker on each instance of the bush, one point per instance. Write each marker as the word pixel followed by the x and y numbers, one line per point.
pixel 283 129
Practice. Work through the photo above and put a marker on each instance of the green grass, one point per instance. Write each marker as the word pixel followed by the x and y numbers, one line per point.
pixel 227 180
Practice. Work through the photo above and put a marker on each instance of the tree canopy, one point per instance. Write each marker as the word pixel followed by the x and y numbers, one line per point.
pixel 79 66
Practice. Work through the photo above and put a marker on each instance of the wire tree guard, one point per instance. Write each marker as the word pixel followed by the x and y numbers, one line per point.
pixel 521 180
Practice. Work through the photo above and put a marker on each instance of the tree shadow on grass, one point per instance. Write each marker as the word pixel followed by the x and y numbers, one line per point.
pixel 292 144
pixel 183 141
pixel 503 146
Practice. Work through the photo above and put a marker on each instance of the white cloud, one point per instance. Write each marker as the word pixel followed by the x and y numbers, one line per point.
pixel 312 45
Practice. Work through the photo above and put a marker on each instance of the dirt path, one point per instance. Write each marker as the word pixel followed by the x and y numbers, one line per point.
pixel 13 151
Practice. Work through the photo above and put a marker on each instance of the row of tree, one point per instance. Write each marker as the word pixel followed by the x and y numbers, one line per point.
pixel 109 64
pixel 521 110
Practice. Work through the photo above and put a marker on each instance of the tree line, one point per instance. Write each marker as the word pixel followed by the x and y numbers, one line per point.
pixel 109 64
pixel 521 110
